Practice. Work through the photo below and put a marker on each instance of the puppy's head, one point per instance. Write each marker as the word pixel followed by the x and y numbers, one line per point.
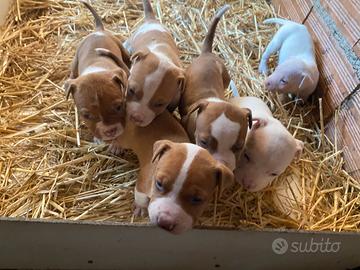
pixel 292 76
pixel 184 178
pixel 268 151
pixel 154 83
pixel 221 128
pixel 100 100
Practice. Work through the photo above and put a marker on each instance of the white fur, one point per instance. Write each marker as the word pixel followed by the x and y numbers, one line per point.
pixel 168 204
pixel 146 27
pixel 141 199
pixel 92 69
pixel 99 33
pixel 292 40
pixel 225 132
pixel 151 84
pixel 214 99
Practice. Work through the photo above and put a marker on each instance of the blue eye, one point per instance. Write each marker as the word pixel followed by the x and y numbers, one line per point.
pixel 195 200
pixel 159 186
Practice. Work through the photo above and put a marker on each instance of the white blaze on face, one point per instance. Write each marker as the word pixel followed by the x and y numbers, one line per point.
pixel 214 99
pixel 92 69
pixel 226 133
pixel 168 207
pixel 152 82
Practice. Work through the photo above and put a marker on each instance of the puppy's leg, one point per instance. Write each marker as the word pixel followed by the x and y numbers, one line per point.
pixel 141 201
pixel 273 47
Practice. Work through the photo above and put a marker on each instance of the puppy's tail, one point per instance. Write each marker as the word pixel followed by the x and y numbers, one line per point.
pixel 98 22
pixel 209 39
pixel 149 12
pixel 278 21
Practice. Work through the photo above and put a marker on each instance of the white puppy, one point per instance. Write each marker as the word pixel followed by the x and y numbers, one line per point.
pixel 297 72
pixel 269 147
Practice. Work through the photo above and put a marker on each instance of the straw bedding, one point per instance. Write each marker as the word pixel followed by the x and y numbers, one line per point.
pixel 51 169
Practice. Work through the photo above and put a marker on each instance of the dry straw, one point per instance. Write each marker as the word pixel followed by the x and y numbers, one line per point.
pixel 49 167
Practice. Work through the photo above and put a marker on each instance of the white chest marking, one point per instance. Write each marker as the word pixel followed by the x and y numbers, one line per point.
pixel 99 33
pixel 92 69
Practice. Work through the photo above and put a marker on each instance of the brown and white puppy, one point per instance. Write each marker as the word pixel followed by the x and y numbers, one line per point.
pixel 156 77
pixel 177 179
pixel 297 72
pixel 98 83
pixel 269 147
pixel 210 121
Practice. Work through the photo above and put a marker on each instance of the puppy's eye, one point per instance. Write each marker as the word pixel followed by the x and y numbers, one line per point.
pixel 159 104
pixel 87 116
pixel 119 108
pixel 159 186
pixel 204 143
pixel 131 92
pixel 274 174
pixel 283 81
pixel 195 200
pixel 247 157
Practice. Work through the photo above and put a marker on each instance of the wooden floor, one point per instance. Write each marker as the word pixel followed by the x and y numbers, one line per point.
pixel 335 27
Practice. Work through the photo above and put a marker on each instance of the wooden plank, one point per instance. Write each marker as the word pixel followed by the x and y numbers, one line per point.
pixel 337 77
pixel 347 131
pixel 345 14
pixel 295 10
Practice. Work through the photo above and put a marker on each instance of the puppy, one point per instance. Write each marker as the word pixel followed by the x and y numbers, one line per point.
pixel 210 121
pixel 156 77
pixel 177 179
pixel 297 72
pixel 98 83
pixel 269 147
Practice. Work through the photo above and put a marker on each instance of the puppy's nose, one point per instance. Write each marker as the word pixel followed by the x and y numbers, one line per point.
pixel 136 117
pixel 166 223
pixel 268 85
pixel 110 132
pixel 248 184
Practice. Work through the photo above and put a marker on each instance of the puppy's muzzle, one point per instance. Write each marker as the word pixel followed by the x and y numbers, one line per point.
pixel 110 132
pixel 165 222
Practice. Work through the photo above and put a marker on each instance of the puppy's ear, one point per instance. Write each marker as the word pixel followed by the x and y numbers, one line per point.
pixel 70 88
pixel 258 122
pixel 159 148
pixel 299 149
pixel 120 78
pixel 248 116
pixel 199 106
pixel 305 80
pixel 141 54
pixel 224 177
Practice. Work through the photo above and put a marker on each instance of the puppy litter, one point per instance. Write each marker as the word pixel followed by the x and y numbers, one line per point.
pixel 51 169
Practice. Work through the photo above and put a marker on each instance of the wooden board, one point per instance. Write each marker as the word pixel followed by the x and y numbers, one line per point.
pixel 345 13
pixel 347 130
pixel 337 76
pixel 296 10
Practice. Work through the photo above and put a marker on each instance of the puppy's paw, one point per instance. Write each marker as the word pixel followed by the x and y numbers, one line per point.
pixel 263 69
pixel 116 149
pixel 97 141
pixel 140 211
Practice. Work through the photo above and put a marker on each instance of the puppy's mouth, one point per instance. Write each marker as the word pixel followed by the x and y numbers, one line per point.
pixel 112 133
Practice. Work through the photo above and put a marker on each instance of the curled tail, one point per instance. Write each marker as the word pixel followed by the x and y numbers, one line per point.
pixel 278 21
pixel 149 12
pixel 209 39
pixel 98 22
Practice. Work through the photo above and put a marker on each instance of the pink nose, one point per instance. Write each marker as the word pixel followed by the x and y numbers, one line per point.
pixel 247 183
pixel 136 117
pixel 166 222
pixel 110 132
